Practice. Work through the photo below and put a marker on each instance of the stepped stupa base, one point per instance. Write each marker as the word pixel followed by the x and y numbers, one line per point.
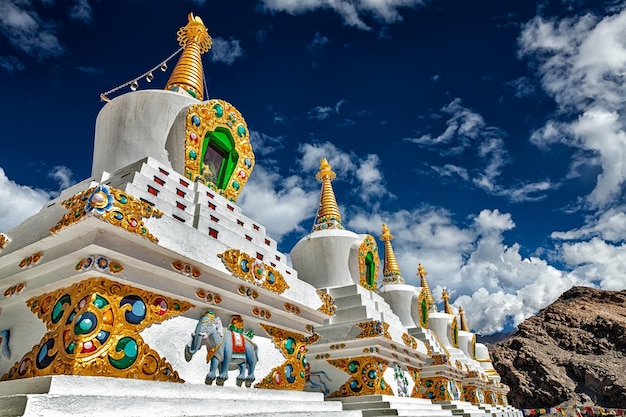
pixel 60 396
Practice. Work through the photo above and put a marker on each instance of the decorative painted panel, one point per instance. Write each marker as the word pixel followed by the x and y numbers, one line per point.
pixel 366 376
pixel 93 329
pixel 373 328
pixel 112 205
pixel 250 269
pixel 291 374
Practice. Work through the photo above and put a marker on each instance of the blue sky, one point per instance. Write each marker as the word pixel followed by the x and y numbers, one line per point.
pixel 489 135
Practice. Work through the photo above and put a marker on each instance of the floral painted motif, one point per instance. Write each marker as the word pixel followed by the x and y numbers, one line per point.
pixel 14 289
pixel 99 262
pixel 30 260
pixel 186 269
pixel 112 205
pixel 250 269
pixel 365 376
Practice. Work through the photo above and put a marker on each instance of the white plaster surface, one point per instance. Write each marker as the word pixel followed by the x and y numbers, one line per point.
pixel 135 125
pixel 328 258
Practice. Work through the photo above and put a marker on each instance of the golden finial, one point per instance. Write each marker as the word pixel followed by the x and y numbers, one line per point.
pixel 391 270
pixel 464 325
pixel 328 216
pixel 421 272
pixel 187 74
pixel 446 304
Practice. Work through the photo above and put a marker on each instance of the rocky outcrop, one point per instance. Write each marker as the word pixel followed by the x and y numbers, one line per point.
pixel 573 351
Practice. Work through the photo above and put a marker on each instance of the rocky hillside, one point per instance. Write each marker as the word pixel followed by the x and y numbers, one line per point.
pixel 573 351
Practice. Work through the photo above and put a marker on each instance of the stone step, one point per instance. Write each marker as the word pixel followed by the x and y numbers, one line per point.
pixel 104 405
pixel 66 396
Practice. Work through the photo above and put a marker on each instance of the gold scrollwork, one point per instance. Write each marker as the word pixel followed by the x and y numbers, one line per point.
pixel 94 329
pixel 366 376
pixel 31 260
pixel 4 239
pixel 204 118
pixel 373 328
pixel 186 269
pixel 291 374
pixel 409 340
pixel 249 269
pixel 415 376
pixel 328 307
pixel 114 206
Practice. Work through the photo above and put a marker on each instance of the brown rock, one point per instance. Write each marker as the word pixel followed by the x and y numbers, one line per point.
pixel 573 351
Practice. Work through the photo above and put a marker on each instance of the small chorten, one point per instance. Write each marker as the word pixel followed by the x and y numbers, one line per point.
pixel 421 272
pixel 328 216
pixel 464 325
pixel 446 305
pixel 188 74
pixel 391 270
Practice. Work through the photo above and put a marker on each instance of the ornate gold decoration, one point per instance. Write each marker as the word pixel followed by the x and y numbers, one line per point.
pixel 99 262
pixel 421 272
pixel 370 350
pixel 391 270
pixel 4 239
pixel 217 116
pixel 446 305
pixel 186 269
pixel 367 247
pixel 328 307
pixel 261 313
pixel 464 325
pixel 491 397
pixel 291 374
pixel 187 74
pixel 30 260
pixel 441 389
pixel 373 328
pixel 474 395
pixel 248 292
pixel 366 376
pixel 112 205
pixel 439 359
pixel 338 346
pixel 328 216
pixel 247 268
pixel 93 329
pixel 209 297
pixel 14 289
pixel 293 309
pixel 409 340
pixel 415 376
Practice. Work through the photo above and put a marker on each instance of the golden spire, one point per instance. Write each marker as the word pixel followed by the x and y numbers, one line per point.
pixel 464 325
pixel 328 216
pixel 391 270
pixel 446 304
pixel 187 74
pixel 421 272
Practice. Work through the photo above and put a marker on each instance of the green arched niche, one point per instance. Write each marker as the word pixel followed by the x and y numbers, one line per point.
pixel 218 152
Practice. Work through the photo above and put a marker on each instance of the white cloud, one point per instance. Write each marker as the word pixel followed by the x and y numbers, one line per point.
pixel 351 11
pixel 226 51
pixel 63 175
pixel 18 202
pixel 26 31
pixel 596 263
pixel 81 11
pixel 324 112
pixel 263 144
pixel 468 137
pixel 11 64
pixel 581 62
pixel 285 201
pixel 318 42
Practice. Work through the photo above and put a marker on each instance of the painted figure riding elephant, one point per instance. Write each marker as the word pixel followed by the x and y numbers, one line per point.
pixel 227 349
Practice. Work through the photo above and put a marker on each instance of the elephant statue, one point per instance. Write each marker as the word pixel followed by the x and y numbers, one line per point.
pixel 227 349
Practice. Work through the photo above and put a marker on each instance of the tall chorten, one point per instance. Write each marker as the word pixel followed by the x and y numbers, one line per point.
pixel 328 216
